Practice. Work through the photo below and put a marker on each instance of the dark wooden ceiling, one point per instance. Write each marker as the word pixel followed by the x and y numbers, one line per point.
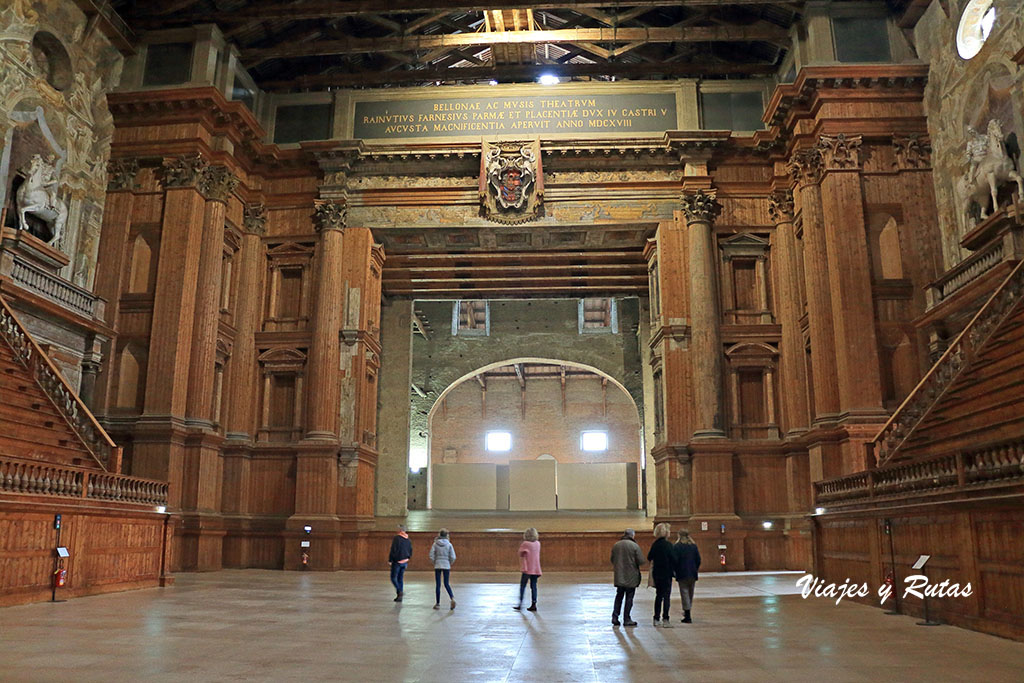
pixel 316 44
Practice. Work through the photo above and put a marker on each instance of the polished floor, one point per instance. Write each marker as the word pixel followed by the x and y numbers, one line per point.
pixel 256 625
pixel 544 521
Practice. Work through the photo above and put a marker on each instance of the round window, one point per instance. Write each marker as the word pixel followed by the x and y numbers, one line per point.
pixel 975 25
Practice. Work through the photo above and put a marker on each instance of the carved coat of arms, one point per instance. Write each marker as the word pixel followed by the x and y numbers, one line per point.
pixel 511 182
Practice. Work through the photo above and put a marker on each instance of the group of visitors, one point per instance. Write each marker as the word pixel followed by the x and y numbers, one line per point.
pixel 679 561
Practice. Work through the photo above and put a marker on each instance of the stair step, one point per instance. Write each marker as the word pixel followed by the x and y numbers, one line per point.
pixel 21 448
pixel 14 414
pixel 40 403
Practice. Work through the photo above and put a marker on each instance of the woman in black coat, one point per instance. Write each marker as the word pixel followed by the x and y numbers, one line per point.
pixel 687 564
pixel 662 558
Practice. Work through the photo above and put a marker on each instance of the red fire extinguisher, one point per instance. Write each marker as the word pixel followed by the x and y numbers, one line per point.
pixel 60 577
pixel 305 558
pixel 721 559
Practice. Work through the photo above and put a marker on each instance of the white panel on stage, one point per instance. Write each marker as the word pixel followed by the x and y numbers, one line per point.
pixel 532 485
pixel 592 486
pixel 465 486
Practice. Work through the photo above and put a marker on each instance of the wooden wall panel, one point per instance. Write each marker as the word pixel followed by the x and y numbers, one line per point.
pixel 273 486
pixel 760 484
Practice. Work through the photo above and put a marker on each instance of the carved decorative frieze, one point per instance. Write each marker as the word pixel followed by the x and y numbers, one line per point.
pixel 700 206
pixel 216 183
pixel 805 167
pixel 254 218
pixel 122 174
pixel 335 179
pixel 780 206
pixel 182 171
pixel 330 216
pixel 911 151
pixel 840 152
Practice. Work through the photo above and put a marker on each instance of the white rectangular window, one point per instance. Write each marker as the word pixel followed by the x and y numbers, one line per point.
pixel 471 318
pixel 417 458
pixel 594 441
pixel 499 441
pixel 597 315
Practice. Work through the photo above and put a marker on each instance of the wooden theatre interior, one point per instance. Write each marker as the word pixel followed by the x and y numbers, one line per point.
pixel 275 261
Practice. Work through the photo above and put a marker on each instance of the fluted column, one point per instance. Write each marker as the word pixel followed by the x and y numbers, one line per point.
pixel 700 209
pixel 792 366
pixel 322 388
pixel 806 170
pixel 216 184
pixel 241 379
pixel 111 264
pixel 857 364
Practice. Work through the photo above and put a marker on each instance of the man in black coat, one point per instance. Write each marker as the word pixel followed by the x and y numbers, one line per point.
pixel 401 552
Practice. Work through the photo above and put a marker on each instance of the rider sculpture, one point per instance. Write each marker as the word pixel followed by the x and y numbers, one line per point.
pixel 991 163
pixel 37 196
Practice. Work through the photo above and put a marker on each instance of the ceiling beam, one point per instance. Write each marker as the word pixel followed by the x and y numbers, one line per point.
pixel 348 8
pixel 519 72
pixel 671 34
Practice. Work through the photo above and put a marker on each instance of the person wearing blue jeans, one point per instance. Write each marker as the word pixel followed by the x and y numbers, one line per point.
pixel 442 554
pixel 401 552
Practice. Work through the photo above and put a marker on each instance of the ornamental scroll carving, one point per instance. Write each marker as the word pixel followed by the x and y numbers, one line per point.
pixel 182 171
pixel 840 152
pixel 254 218
pixel 780 206
pixel 330 216
pixel 122 174
pixel 805 167
pixel 700 206
pixel 216 183
pixel 911 151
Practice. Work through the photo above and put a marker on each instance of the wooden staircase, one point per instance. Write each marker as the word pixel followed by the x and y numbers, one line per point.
pixel 41 417
pixel 974 395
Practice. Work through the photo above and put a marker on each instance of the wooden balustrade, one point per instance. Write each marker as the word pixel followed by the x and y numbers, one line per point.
pixel 960 355
pixel 997 463
pixel 41 479
pixel 95 439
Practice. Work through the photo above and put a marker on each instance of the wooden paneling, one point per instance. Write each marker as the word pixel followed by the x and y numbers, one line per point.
pixel 112 548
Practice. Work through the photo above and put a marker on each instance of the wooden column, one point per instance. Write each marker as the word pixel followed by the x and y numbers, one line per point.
pixel 111 265
pixel 849 270
pixel 792 368
pixel 159 437
pixel 806 170
pixel 323 386
pixel 700 209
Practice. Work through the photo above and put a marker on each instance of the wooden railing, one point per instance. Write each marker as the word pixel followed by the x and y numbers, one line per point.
pixel 960 354
pixel 965 272
pixel 1002 462
pixel 79 417
pixel 42 479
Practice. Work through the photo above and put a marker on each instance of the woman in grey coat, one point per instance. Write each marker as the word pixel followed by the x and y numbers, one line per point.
pixel 442 554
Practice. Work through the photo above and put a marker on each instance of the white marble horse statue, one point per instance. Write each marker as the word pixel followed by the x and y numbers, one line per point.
pixel 38 196
pixel 991 165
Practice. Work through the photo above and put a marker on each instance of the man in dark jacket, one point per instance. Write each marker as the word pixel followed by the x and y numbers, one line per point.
pixel 401 551
pixel 627 559
pixel 687 564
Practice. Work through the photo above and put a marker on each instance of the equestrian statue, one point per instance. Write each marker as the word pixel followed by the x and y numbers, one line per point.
pixel 992 160
pixel 37 196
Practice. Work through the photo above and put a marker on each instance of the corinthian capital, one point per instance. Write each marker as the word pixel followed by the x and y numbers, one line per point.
pixel 254 218
pixel 840 152
pixel 216 183
pixel 121 174
pixel 182 171
pixel 330 216
pixel 911 151
pixel 700 206
pixel 780 206
pixel 805 166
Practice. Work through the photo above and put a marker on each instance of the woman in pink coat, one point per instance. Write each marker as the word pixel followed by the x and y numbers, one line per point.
pixel 529 561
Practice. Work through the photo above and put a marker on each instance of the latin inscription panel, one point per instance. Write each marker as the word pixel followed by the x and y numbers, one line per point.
pixel 530 115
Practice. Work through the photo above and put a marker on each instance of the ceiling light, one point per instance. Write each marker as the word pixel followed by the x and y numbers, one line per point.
pixel 548 79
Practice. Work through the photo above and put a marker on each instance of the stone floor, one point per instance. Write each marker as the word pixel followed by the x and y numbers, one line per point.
pixel 253 625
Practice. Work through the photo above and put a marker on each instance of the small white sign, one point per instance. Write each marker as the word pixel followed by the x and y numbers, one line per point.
pixel 721 547
pixel 921 562
pixel 305 544
pixel 63 552
pixel 703 526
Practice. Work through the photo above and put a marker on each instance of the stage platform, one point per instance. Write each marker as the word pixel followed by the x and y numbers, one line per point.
pixel 492 521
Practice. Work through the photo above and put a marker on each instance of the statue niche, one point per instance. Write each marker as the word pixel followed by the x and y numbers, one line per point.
pixel 992 161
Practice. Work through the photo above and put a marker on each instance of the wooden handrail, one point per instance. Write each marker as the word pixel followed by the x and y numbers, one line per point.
pixel 39 478
pixel 956 357
pixel 97 442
